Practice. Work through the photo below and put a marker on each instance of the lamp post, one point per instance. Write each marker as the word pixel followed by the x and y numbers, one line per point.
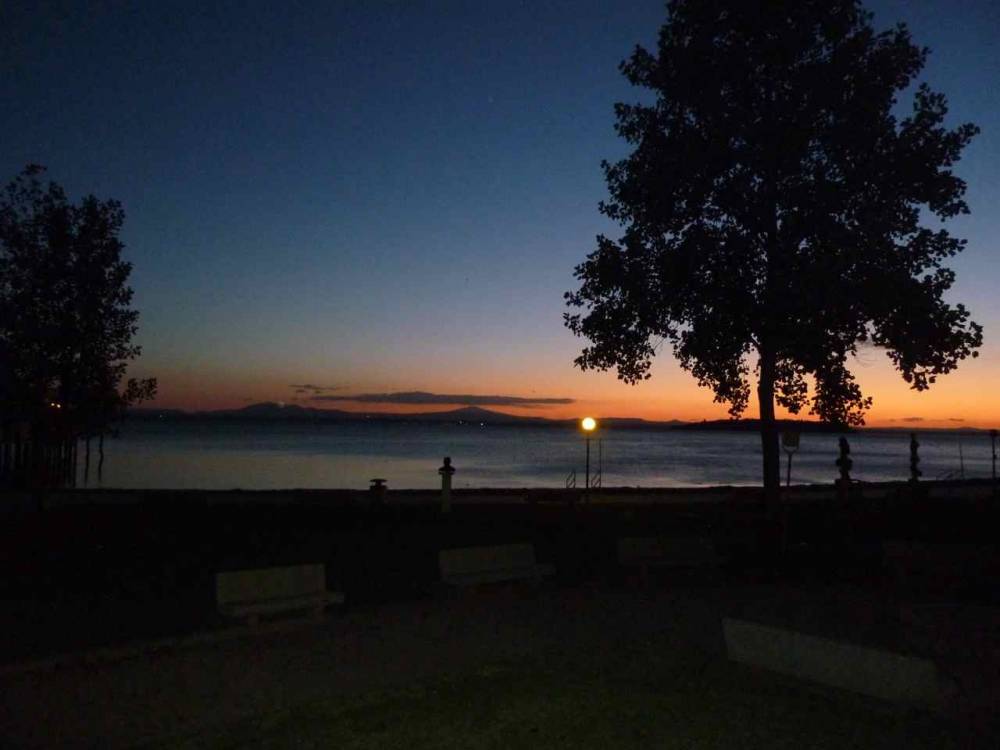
pixel 993 445
pixel 588 424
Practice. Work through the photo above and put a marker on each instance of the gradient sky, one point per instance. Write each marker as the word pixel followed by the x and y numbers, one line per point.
pixel 376 197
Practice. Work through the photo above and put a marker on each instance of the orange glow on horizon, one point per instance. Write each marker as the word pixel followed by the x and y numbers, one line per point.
pixel 966 398
pixel 903 409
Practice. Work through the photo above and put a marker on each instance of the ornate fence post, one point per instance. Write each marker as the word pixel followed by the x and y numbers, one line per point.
pixel 915 473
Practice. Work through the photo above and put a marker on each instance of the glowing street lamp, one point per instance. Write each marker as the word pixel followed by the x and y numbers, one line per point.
pixel 588 424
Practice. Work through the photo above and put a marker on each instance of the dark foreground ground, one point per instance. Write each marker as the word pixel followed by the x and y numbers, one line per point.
pixel 403 659
pixel 503 667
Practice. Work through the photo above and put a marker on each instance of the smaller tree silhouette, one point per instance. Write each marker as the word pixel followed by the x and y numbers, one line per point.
pixel 66 322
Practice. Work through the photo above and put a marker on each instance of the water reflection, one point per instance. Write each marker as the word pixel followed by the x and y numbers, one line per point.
pixel 214 455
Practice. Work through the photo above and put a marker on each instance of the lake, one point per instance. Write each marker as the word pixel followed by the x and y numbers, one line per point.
pixel 217 454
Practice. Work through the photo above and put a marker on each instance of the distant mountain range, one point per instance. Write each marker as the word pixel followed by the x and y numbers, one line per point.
pixel 467 414
pixel 476 415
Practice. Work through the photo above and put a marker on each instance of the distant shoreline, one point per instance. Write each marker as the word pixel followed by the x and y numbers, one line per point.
pixel 273 412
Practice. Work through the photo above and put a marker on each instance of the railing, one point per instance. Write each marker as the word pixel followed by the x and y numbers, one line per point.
pixel 595 479
pixel 571 480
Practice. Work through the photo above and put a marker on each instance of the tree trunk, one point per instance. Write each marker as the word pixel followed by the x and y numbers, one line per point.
pixel 86 464
pixel 769 432
pixel 100 457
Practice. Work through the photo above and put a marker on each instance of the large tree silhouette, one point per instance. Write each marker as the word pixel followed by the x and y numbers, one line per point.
pixel 66 321
pixel 772 211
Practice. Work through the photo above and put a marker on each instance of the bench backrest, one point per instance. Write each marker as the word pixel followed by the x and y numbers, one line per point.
pixel 480 559
pixel 263 584
pixel 638 549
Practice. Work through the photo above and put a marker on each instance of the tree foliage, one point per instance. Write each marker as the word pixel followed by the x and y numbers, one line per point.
pixel 772 208
pixel 66 322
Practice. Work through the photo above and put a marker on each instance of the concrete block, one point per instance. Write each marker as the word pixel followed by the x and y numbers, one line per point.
pixel 870 671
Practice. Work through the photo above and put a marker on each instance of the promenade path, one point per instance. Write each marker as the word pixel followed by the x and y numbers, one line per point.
pixel 147 696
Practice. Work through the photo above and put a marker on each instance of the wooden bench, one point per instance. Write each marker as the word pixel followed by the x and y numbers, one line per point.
pixel 651 551
pixel 251 593
pixel 466 566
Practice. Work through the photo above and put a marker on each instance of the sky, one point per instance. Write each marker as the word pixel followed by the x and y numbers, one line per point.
pixel 327 200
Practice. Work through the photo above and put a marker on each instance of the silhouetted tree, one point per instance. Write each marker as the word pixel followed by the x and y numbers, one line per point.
pixel 66 325
pixel 771 211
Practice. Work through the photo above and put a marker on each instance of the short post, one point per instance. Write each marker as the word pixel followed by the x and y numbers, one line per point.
pixel 844 464
pixel 790 442
pixel 588 424
pixel 993 443
pixel 915 473
pixel 377 490
pixel 446 471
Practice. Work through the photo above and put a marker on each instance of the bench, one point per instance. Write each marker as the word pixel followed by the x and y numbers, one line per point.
pixel 649 551
pixel 251 593
pixel 466 566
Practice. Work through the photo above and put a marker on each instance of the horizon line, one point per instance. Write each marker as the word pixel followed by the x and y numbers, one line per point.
pixel 912 424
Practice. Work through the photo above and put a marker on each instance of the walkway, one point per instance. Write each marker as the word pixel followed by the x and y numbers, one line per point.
pixel 207 685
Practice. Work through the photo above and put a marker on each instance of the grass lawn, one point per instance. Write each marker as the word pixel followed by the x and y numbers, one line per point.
pixel 642 695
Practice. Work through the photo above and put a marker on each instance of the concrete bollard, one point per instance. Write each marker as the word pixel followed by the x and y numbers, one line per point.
pixel 377 491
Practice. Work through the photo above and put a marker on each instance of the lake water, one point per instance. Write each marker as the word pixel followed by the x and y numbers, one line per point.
pixel 281 455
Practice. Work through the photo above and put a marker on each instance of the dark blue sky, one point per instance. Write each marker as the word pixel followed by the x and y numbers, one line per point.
pixel 383 196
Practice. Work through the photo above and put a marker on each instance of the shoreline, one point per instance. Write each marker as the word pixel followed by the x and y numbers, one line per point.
pixel 12 501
